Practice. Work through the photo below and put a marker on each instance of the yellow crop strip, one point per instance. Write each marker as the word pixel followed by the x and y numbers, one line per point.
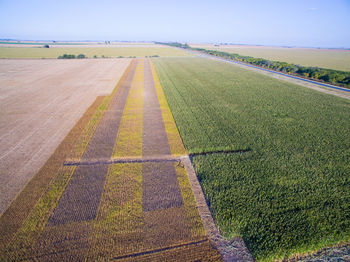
pixel 129 138
pixel 192 213
pixel 119 224
pixel 177 148
pixel 118 228
pixel 89 130
pixel 25 238
pixel 175 143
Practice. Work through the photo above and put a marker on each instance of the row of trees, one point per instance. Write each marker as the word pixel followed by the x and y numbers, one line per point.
pixel 331 76
pixel 175 44
pixel 67 56
pixel 327 75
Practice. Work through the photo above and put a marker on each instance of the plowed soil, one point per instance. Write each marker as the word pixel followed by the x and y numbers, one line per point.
pixel 40 101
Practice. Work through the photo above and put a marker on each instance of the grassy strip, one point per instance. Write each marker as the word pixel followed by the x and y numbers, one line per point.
pixel 129 138
pixel 118 226
pixel 291 193
pixel 174 139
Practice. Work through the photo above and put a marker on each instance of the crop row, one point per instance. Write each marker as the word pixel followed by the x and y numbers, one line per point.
pixel 332 76
pixel 290 193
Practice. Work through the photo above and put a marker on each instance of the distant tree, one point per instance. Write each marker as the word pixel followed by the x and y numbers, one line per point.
pixel 46 46
pixel 80 56
pixel 66 56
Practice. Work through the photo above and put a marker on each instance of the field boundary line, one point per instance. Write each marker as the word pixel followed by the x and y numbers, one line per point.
pixel 160 249
pixel 234 250
pixel 123 160
pixel 160 158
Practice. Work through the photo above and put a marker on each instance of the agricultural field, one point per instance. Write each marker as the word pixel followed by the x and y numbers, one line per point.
pixel 89 202
pixel 40 101
pixel 283 183
pixel 91 51
pixel 24 43
pixel 325 58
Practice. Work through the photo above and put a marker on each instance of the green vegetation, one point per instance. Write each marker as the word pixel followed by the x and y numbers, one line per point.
pixel 337 77
pixel 175 44
pixel 67 56
pixel 291 192
pixel 54 52
pixel 337 59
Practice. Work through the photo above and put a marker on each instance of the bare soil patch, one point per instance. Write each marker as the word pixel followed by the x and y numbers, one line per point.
pixel 40 101
pixel 82 196
pixel 13 217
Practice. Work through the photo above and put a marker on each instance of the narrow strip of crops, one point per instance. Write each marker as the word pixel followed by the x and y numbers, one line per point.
pixel 129 138
pixel 290 193
pixel 174 140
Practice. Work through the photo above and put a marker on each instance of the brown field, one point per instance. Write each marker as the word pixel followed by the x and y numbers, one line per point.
pixel 40 101
pixel 129 211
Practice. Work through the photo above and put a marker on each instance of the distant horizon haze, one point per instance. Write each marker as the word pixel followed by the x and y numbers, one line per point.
pixel 187 42
pixel 312 23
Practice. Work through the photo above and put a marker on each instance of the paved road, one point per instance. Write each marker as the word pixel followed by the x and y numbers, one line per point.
pixel 321 87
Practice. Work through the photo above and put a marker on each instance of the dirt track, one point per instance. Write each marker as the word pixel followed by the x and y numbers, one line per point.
pixel 40 101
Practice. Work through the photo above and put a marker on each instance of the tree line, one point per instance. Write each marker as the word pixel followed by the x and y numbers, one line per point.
pixel 331 76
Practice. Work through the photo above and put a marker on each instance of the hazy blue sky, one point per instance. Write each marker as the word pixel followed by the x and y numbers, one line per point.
pixel 271 22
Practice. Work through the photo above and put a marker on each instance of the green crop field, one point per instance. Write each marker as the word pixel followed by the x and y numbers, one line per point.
pixel 290 193
pixel 138 51
pixel 326 58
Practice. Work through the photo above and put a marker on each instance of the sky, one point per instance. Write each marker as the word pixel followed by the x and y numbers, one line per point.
pixel 308 23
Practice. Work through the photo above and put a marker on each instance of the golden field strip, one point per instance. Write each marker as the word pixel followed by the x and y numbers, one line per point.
pixel 122 228
pixel 90 52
